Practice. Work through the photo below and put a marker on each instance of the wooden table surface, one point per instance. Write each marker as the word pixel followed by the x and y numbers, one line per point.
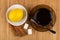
pixel 7 34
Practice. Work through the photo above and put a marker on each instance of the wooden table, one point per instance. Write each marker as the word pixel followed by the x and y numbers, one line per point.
pixel 7 34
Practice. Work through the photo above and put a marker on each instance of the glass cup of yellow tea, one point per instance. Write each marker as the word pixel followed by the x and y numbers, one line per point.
pixel 16 15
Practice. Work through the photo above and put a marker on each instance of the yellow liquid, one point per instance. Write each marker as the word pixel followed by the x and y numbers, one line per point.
pixel 15 15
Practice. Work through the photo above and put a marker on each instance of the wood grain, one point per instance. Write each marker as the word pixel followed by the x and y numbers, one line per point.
pixel 6 32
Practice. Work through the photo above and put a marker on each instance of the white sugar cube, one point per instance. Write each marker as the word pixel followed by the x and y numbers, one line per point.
pixel 29 31
pixel 26 26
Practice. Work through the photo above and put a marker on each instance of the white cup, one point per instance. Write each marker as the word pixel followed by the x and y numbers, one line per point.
pixel 21 22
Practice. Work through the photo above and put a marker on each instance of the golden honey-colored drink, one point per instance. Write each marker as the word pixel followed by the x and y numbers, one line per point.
pixel 15 15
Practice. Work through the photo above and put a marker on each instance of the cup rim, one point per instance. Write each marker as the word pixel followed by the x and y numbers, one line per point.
pixel 20 22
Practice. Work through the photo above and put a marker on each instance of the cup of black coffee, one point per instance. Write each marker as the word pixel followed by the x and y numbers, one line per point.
pixel 43 16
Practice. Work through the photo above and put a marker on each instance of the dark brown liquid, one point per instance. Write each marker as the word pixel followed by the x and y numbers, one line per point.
pixel 43 16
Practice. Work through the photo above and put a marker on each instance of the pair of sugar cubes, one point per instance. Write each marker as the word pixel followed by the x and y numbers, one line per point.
pixel 26 27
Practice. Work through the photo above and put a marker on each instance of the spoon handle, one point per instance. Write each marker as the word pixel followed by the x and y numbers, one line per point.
pixel 33 21
pixel 52 31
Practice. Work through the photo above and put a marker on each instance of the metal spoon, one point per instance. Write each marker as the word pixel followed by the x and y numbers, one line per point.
pixel 52 31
